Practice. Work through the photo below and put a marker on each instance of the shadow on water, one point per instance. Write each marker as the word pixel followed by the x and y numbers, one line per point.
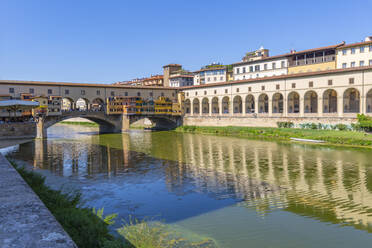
pixel 204 183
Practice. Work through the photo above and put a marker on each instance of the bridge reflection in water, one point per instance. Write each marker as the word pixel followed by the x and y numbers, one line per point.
pixel 327 184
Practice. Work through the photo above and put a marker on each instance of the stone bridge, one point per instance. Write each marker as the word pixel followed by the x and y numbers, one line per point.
pixel 107 123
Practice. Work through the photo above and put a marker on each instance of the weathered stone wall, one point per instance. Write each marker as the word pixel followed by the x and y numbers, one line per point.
pixel 259 122
pixel 24 220
pixel 18 130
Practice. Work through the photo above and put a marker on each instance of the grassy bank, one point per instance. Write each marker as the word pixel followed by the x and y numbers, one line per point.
pixel 349 138
pixel 85 228
pixel 81 123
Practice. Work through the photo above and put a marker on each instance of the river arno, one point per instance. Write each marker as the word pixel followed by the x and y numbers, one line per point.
pixel 239 192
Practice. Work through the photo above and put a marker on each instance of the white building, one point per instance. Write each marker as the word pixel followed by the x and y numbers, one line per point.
pixel 258 64
pixel 354 55
pixel 179 80
pixel 213 73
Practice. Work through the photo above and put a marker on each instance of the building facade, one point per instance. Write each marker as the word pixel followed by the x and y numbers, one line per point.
pixel 154 80
pixel 180 80
pixel 354 55
pixel 169 70
pixel 213 73
pixel 311 96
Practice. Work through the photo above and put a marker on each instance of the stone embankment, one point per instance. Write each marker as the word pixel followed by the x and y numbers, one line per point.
pixel 24 220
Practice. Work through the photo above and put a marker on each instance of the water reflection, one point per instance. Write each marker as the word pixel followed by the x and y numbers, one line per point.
pixel 326 184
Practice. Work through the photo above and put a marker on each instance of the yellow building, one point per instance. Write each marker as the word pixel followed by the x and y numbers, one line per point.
pixel 312 60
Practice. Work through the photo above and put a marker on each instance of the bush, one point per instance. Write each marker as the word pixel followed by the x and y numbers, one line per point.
pixel 285 124
pixel 341 127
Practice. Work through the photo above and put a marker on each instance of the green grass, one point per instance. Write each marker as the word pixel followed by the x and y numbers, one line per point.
pixel 347 138
pixel 82 123
pixel 85 228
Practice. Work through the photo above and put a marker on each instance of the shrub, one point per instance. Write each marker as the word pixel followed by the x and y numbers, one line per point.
pixel 341 127
pixel 285 124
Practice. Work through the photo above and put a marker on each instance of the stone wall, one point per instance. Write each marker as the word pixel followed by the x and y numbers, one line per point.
pixel 259 122
pixel 18 130
pixel 24 220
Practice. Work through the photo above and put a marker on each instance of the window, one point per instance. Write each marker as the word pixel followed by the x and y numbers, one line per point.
pixel 361 63
pixel 237 89
pixel 257 67
pixel 330 82
pixel 274 65
pixel 251 69
pixel 278 87
pixel 243 69
pixel 344 65
pixel 353 50
pixel 82 92
pixel 370 48
pixel 126 93
pixel 205 92
pixel 98 92
pixel 362 49
pixel 237 70
pixel 311 84
pixel 215 78
pixel 262 87
pixel 226 91
pixel 351 80
pixel 344 52
pixel 67 92
pixel 162 94
pixel 187 94
pixel 283 64
pixel 370 62
pixel 208 79
pixel 293 85
pixel 173 94
pixel 265 67
pixel 138 93
pixel 221 78
pixel 215 91
pixel 50 91
pixel 112 93
pixel 249 89
pixel 352 64
pixel 31 91
pixel 11 90
pixel 150 94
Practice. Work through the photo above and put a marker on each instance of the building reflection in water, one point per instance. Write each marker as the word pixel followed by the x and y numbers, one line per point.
pixel 330 185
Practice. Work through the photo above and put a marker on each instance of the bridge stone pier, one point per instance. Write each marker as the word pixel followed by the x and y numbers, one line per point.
pixel 107 123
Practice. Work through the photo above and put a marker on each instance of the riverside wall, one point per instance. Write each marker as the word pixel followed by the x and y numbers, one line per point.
pixel 221 121
pixel 21 130
pixel 24 219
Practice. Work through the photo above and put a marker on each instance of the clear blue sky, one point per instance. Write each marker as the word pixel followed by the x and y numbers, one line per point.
pixel 109 41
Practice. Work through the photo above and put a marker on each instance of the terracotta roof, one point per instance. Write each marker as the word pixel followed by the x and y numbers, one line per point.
pixel 356 44
pixel 290 54
pixel 305 74
pixel 19 82
pixel 156 77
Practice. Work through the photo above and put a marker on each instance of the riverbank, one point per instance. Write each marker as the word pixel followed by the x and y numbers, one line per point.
pixel 81 123
pixel 84 227
pixel 333 137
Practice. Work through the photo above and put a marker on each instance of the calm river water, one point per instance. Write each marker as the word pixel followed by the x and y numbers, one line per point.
pixel 239 192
